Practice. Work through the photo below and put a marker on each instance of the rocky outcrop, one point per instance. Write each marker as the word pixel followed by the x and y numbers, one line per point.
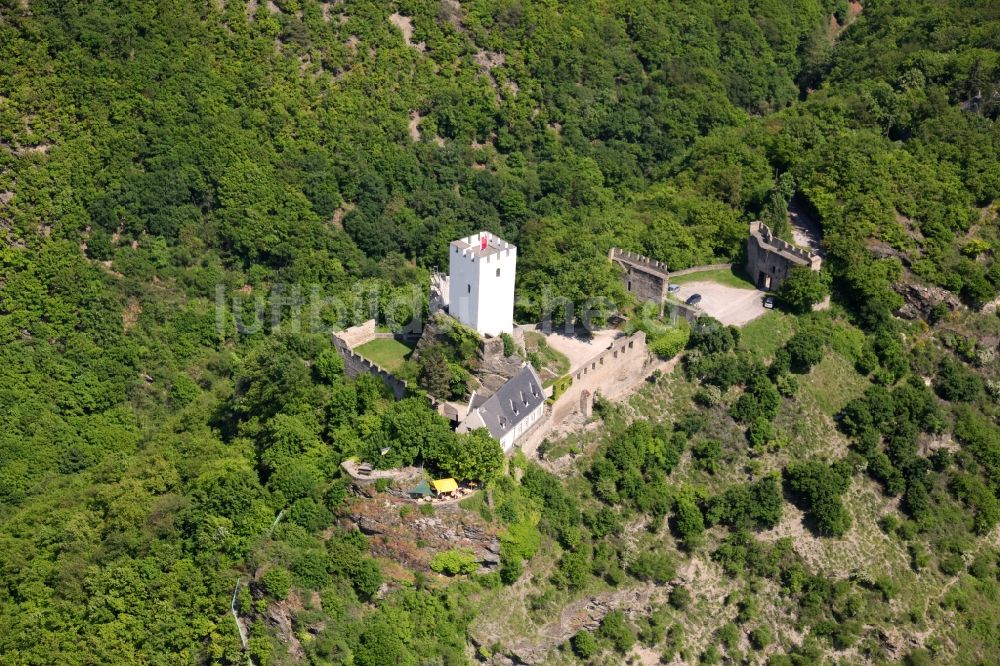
pixel 495 369
pixel 402 533
pixel 490 368
pixel 582 614
pixel 919 300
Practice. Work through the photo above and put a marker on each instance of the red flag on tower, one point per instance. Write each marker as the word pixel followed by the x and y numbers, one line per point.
pixel 482 243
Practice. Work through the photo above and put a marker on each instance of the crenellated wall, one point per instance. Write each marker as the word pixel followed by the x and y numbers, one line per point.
pixel 610 373
pixel 770 259
pixel 644 278
pixel 356 364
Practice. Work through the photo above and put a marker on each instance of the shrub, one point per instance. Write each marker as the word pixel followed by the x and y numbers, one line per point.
pixel 655 567
pixel 688 522
pixel 328 366
pixel 760 432
pixel 729 636
pixel 956 383
pixel 509 346
pixel 707 455
pixel 183 390
pixel 708 395
pixel 802 289
pixel 615 628
pixel 573 570
pixel 680 597
pixel 760 638
pixel 710 336
pixel 805 349
pixel 454 562
pixel 670 342
pixel 584 644
pixel 277 582
pixel 821 486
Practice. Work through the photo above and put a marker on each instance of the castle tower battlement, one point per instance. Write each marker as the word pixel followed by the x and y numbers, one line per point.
pixel 481 272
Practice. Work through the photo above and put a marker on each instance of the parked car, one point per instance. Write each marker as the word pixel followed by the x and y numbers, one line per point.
pixel 673 288
pixel 769 301
pixel 693 299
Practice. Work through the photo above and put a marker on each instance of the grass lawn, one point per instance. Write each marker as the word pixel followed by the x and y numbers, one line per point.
pixel 731 277
pixel 386 352
pixel 764 335
pixel 833 383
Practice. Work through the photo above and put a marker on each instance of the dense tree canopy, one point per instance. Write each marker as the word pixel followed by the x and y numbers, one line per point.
pixel 179 179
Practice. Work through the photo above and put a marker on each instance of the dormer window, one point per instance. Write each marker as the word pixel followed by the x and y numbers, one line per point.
pixel 513 407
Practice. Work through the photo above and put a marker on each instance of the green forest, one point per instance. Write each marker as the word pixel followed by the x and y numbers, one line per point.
pixel 817 487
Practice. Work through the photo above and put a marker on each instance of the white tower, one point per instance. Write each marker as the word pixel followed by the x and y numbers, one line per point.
pixel 481 271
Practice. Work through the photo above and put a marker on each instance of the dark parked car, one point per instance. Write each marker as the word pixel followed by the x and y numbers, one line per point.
pixel 769 301
pixel 693 299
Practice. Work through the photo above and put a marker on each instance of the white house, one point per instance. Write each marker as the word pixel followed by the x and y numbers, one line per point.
pixel 511 411
pixel 481 271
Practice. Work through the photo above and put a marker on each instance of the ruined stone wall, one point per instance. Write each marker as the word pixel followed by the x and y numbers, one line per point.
pixel 360 334
pixel 356 364
pixel 611 373
pixel 770 259
pixel 644 278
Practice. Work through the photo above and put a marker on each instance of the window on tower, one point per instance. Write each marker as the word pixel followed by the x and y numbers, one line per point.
pixel 468 288
pixel 498 272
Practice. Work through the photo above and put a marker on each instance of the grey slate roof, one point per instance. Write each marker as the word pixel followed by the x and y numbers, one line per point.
pixel 510 404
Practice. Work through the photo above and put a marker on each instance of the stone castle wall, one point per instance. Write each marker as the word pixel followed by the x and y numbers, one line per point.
pixel 644 278
pixel 611 373
pixel 770 259
pixel 355 364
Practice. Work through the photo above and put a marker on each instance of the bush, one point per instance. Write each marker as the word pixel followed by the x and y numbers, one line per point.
pixel 821 486
pixel 710 336
pixel 366 577
pixel 688 522
pixel 277 582
pixel 760 432
pixel 615 628
pixel 956 383
pixel 584 644
pixel 328 366
pixel 805 349
pixel 454 562
pixel 707 455
pixel 573 570
pixel 670 342
pixel 509 346
pixel 708 395
pixel 802 289
pixel 760 638
pixel 309 570
pixel 655 567
pixel 680 597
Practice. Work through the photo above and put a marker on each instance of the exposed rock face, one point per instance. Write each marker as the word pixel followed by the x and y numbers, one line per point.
pixel 396 534
pixel 495 369
pixel 581 614
pixel 919 300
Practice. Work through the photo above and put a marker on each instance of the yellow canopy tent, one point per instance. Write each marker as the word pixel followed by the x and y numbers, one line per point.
pixel 444 485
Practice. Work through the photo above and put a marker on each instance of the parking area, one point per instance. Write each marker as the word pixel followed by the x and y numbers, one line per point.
pixel 730 305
